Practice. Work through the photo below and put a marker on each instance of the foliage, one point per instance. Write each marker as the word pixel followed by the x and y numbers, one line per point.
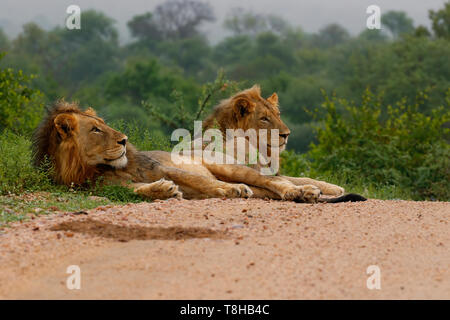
pixel 294 165
pixel 141 137
pixel 17 173
pixel 403 147
pixel 20 105
pixel 4 41
pixel 397 22
pixel 440 20
pixel 242 22
pixel 66 59
pixel 146 79
pixel 173 19
pixel 181 117
pixel 332 35
pixel 117 194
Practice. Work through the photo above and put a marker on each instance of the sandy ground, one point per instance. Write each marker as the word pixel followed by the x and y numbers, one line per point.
pixel 232 249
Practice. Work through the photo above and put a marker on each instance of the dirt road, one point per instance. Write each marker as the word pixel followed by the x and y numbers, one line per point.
pixel 232 249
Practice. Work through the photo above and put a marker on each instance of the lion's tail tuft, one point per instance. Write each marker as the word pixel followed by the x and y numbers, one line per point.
pixel 349 197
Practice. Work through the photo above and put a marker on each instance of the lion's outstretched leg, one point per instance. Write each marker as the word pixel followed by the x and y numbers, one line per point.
pixel 161 189
pixel 263 193
pixel 282 187
pixel 326 188
pixel 205 187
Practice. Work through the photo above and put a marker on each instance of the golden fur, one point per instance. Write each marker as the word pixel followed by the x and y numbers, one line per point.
pixel 69 167
pixel 82 147
pixel 246 110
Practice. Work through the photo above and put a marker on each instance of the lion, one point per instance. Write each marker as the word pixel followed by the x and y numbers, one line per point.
pixel 248 110
pixel 82 148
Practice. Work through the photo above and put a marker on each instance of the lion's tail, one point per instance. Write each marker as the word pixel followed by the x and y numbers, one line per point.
pixel 349 197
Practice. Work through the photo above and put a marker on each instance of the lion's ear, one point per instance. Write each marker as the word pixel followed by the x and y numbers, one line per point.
pixel 243 106
pixel 65 124
pixel 273 99
pixel 91 112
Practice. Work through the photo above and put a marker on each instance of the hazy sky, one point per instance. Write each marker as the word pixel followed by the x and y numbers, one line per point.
pixel 311 15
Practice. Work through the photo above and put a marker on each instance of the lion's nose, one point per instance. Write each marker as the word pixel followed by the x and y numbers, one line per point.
pixel 285 135
pixel 122 142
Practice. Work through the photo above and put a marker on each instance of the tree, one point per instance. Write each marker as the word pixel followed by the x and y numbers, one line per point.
pixel 241 22
pixel 4 41
pixel 174 19
pixel 372 35
pixel 440 21
pixel 144 27
pixel 277 24
pixel 422 31
pixel 32 40
pixel 191 54
pixel 332 35
pixel 67 58
pixel 145 79
pixel 85 54
pixel 398 23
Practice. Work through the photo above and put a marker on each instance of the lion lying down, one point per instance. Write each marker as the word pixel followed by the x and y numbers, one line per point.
pixel 247 110
pixel 83 148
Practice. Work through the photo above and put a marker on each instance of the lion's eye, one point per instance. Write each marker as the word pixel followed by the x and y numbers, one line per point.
pixel 95 129
pixel 265 119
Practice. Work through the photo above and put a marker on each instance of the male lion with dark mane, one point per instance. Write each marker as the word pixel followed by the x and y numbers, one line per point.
pixel 83 148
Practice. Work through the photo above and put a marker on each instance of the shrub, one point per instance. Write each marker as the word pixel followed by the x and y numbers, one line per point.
pixel 293 164
pixel 141 137
pixel 400 146
pixel 20 106
pixel 17 173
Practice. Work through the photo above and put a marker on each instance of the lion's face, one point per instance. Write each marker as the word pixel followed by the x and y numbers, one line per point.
pixel 97 143
pixel 254 112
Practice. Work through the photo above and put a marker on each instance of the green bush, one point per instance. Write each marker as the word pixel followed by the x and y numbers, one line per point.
pixel 141 137
pixel 17 173
pixel 20 106
pixel 294 165
pixel 400 147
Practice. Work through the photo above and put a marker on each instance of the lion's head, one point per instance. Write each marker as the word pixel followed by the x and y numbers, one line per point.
pixel 248 110
pixel 77 142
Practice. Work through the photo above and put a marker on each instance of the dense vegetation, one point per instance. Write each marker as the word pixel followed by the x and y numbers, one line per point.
pixel 373 107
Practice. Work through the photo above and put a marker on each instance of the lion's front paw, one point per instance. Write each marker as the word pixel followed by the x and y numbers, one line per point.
pixel 311 193
pixel 161 189
pixel 239 191
pixel 306 193
pixel 234 191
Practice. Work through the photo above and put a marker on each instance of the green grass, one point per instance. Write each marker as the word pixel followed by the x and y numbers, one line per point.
pixel 17 173
pixel 369 190
pixel 21 207
pixel 297 165
pixel 18 207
